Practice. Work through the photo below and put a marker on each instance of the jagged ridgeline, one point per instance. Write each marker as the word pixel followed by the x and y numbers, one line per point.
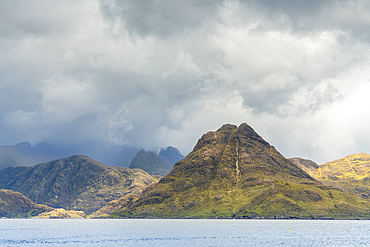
pixel 151 163
pixel 77 183
pixel 154 164
pixel 233 172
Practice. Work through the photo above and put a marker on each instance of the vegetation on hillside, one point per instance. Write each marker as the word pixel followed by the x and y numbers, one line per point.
pixel 350 174
pixel 233 172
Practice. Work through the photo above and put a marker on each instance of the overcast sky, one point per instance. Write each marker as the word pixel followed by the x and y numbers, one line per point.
pixel 156 73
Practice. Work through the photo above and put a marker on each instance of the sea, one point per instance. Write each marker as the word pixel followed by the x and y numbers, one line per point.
pixel 183 232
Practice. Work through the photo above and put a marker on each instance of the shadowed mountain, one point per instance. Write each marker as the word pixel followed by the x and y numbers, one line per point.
pixel 233 172
pixel 350 174
pixel 15 205
pixel 151 163
pixel 77 182
pixel 170 155
pixel 23 154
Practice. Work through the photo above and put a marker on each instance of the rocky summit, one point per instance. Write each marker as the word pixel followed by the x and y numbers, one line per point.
pixel 234 172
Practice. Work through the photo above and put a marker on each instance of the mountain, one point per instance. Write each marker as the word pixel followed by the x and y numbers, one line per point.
pixel 77 182
pixel 14 204
pixel 233 172
pixel 170 155
pixel 23 154
pixel 151 163
pixel 350 174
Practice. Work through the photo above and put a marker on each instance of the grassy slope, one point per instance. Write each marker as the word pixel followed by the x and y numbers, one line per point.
pixel 233 172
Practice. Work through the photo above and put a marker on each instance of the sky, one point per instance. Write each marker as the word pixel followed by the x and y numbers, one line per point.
pixel 155 73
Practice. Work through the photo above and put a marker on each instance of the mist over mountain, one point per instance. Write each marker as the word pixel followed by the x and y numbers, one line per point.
pixel 23 154
pixel 170 155
pixel 157 164
pixel 151 163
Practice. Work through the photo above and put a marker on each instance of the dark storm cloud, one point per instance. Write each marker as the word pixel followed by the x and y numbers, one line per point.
pixel 158 73
pixel 163 18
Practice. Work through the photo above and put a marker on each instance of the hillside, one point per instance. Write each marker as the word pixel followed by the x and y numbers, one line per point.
pixel 233 172
pixel 350 174
pixel 15 205
pixel 77 183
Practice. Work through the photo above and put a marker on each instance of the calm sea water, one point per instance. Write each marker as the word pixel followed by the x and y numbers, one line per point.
pixel 183 232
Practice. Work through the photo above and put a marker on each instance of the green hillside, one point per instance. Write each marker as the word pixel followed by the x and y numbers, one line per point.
pixel 233 172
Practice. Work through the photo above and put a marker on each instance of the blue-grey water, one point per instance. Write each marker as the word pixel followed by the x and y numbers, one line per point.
pixel 183 232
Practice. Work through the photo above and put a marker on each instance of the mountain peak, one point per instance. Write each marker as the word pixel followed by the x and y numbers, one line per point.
pixel 234 172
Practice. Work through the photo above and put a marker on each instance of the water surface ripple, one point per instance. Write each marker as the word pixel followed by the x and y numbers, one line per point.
pixel 183 232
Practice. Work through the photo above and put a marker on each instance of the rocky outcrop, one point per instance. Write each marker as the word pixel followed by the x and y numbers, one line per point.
pixel 61 213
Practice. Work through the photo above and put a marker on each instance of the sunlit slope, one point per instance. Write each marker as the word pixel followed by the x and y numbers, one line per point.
pixel 233 172
pixel 14 204
pixel 351 174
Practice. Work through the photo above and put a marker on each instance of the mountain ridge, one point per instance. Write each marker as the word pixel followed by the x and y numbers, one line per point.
pixel 350 173
pixel 234 172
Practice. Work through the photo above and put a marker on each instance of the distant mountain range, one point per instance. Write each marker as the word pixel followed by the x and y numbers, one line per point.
pixel 231 173
pixel 23 154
